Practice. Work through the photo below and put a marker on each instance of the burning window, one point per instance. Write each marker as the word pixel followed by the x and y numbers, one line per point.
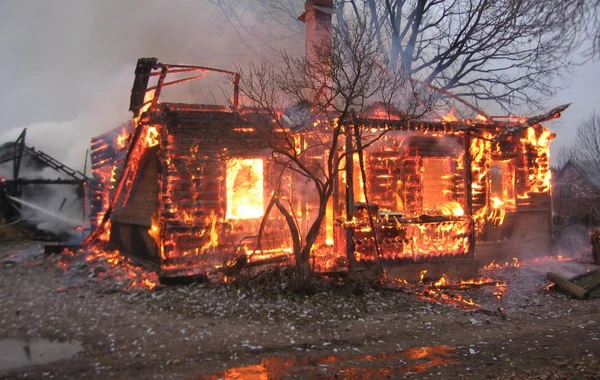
pixel 502 185
pixel 244 183
pixel 437 184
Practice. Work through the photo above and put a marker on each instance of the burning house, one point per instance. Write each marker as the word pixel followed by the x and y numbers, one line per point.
pixel 192 189
pixel 107 150
pixel 187 189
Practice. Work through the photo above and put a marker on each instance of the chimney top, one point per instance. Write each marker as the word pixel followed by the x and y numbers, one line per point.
pixel 317 17
pixel 325 6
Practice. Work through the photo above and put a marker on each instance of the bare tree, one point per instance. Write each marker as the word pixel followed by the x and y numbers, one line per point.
pixel 263 25
pixel 564 155
pixel 315 136
pixel 585 16
pixel 512 52
pixel 586 146
pixel 592 12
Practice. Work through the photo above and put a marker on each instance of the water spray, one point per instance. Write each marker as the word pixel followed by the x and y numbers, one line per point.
pixel 64 220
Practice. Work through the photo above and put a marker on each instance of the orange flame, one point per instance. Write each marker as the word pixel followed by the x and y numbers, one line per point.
pixel 500 290
pixel 442 281
pixel 121 269
pixel 497 203
pixel 154 230
pixel 450 116
pixel 538 141
pixel 105 235
pixel 213 235
pixel 122 138
pixel 453 299
pixel 244 184
pixel 494 265
pixel 453 208
pixel 152 136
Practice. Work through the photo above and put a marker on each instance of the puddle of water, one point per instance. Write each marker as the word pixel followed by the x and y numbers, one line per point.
pixel 16 353
pixel 378 366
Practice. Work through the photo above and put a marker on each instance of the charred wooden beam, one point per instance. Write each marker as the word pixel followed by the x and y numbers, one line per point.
pixel 568 286
pixel 140 83
pixel 552 114
pixel 40 181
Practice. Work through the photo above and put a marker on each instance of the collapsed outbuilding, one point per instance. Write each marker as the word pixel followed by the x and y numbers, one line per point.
pixel 37 188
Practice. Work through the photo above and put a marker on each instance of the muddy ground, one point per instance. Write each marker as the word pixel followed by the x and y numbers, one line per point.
pixel 86 308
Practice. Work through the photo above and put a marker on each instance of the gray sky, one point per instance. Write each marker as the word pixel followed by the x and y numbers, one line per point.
pixel 60 52
pixel 67 65
pixel 585 98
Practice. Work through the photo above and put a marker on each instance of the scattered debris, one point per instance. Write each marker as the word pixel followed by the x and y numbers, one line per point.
pixel 59 248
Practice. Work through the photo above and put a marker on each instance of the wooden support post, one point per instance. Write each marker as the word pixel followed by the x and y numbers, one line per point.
pixel 595 237
pixel 349 196
pixel 468 161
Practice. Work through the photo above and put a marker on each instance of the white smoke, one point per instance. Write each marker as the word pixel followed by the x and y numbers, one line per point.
pixel 72 63
pixel 69 69
pixel 67 141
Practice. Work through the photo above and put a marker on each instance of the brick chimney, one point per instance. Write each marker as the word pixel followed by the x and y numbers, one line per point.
pixel 317 17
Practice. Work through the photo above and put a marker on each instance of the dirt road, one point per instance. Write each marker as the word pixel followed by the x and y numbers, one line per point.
pixel 75 319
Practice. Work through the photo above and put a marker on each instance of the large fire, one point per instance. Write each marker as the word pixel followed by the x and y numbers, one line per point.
pixel 412 227
pixel 245 188
pixel 536 143
pixel 503 176
pixel 207 190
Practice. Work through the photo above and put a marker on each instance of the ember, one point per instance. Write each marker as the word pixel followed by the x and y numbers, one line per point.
pixel 451 292
pixel 493 265
pixel 455 299
pixel 110 265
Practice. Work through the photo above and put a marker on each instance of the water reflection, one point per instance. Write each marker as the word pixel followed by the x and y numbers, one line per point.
pixel 16 353
pixel 378 366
